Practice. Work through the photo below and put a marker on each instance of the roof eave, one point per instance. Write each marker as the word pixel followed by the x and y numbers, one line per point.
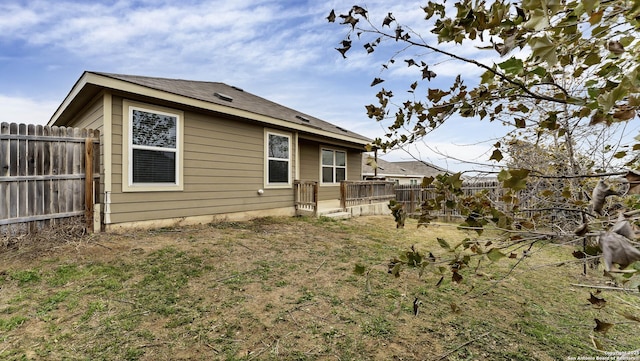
pixel 73 93
pixel 121 85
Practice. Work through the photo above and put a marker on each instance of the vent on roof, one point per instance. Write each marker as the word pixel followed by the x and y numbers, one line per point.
pixel 306 120
pixel 344 130
pixel 237 88
pixel 223 97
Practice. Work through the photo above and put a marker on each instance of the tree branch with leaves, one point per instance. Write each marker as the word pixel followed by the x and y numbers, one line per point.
pixel 563 77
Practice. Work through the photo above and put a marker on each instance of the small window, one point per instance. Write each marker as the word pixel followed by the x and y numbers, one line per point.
pixel 153 149
pixel 334 166
pixel 278 154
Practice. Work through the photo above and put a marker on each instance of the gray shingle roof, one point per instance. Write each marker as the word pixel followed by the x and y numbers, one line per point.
pixel 215 92
pixel 403 168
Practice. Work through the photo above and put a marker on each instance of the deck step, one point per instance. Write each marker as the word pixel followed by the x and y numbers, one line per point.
pixel 335 214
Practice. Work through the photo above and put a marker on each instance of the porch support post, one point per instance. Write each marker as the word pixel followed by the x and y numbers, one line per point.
pixel 343 195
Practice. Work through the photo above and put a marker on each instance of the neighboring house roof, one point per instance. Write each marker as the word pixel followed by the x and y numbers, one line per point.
pixel 400 169
pixel 214 96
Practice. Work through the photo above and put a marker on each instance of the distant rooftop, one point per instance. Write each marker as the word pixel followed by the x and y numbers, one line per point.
pixel 401 169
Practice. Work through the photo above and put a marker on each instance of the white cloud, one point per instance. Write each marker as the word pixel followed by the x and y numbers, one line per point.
pixel 15 18
pixel 280 50
pixel 450 156
pixel 25 110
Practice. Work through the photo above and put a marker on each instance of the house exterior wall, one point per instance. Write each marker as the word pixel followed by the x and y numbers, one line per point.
pixel 310 166
pixel 92 117
pixel 404 180
pixel 223 168
pixel 354 167
pixel 223 171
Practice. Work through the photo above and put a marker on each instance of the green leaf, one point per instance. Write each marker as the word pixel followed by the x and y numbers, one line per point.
pixel 602 326
pixel 585 112
pixel 592 59
pixel 538 20
pixel 608 99
pixel 494 254
pixel 426 181
pixel 487 77
pixel 589 5
pixel 627 40
pixel 443 244
pixel 454 181
pixel 544 49
pixel 516 179
pixel 395 271
pixel 497 155
pixel 539 71
pixel 512 66
pixel 359 269
pixel 435 95
pixel 503 175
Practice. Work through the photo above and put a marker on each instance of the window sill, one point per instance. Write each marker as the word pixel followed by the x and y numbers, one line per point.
pixel 329 184
pixel 152 188
pixel 278 186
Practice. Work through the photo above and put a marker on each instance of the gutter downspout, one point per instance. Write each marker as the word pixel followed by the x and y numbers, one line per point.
pixel 107 145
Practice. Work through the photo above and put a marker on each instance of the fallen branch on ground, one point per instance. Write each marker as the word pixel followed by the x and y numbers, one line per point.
pixel 605 288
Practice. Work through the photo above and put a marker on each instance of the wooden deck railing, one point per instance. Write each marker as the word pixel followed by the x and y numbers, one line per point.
pixel 353 193
pixel 306 197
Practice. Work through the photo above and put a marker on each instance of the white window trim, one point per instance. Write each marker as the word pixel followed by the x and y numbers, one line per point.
pixel 346 162
pixel 127 149
pixel 267 158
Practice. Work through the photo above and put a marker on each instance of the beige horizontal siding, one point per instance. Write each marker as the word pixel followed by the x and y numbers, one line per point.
pixel 92 117
pixel 354 166
pixel 310 166
pixel 131 215
pixel 309 161
pixel 223 170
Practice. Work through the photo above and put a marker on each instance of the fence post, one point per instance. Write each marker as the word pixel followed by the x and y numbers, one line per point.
pixel 88 184
pixel 411 201
pixel 5 204
pixel 315 199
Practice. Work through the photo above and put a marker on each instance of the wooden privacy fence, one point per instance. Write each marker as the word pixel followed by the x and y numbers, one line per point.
pixel 46 173
pixel 412 196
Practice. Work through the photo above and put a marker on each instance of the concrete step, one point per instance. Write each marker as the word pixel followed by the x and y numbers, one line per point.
pixel 339 214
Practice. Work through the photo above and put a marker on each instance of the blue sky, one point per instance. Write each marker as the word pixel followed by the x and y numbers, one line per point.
pixel 281 50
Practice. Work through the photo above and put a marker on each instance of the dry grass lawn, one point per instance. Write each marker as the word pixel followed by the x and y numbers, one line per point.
pixel 285 289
